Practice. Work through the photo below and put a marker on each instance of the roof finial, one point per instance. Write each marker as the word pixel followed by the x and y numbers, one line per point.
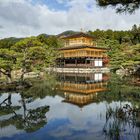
pixel 82 30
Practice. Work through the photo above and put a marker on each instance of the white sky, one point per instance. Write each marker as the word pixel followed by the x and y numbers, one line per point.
pixel 20 18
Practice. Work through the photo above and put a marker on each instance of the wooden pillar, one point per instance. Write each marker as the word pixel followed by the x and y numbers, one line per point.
pixel 76 62
pixel 92 63
pixel 58 63
pixel 64 62
pixel 86 62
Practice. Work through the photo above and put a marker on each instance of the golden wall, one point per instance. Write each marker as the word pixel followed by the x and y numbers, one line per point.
pixel 85 52
pixel 78 41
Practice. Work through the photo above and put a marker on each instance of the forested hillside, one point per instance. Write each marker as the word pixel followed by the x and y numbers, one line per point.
pixel 124 46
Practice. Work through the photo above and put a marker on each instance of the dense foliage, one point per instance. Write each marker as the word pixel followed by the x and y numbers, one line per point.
pixel 121 5
pixel 27 54
pixel 124 46
pixel 7 57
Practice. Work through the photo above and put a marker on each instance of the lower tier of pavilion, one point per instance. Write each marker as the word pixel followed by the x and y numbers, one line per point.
pixel 81 62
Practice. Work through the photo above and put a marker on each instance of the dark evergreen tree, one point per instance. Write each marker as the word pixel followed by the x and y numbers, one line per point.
pixel 121 5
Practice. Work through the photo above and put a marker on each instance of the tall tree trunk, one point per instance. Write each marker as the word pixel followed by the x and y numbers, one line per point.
pixel 22 75
pixel 24 106
pixel 8 76
pixel 9 100
pixel 23 66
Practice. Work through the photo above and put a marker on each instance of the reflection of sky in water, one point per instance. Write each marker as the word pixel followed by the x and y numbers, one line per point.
pixel 9 131
pixel 65 121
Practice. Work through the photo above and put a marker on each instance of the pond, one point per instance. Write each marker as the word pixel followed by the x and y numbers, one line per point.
pixel 71 107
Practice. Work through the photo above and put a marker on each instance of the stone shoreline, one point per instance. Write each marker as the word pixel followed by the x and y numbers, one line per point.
pixel 78 70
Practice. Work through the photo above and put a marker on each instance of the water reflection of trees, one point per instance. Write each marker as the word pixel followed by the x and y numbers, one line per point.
pixel 42 87
pixel 20 115
pixel 122 121
pixel 33 119
pixel 7 108
pixel 121 90
pixel 29 120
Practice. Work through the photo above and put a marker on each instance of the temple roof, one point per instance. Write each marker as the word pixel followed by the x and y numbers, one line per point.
pixel 84 92
pixel 81 47
pixel 80 34
pixel 81 105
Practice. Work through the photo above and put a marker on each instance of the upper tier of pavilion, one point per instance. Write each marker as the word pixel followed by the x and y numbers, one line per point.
pixel 79 39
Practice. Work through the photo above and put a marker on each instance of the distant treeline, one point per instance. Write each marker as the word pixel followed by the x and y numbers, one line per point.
pixel 131 36
pixel 124 46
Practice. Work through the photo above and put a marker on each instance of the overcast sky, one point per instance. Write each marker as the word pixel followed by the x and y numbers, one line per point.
pixel 20 18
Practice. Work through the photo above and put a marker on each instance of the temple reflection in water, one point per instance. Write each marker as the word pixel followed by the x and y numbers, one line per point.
pixel 81 89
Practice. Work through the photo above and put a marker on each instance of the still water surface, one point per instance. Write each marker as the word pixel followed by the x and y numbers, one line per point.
pixel 70 107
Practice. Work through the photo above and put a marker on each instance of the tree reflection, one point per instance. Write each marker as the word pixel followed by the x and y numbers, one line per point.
pixel 120 121
pixel 42 88
pixel 29 120
pixel 6 108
